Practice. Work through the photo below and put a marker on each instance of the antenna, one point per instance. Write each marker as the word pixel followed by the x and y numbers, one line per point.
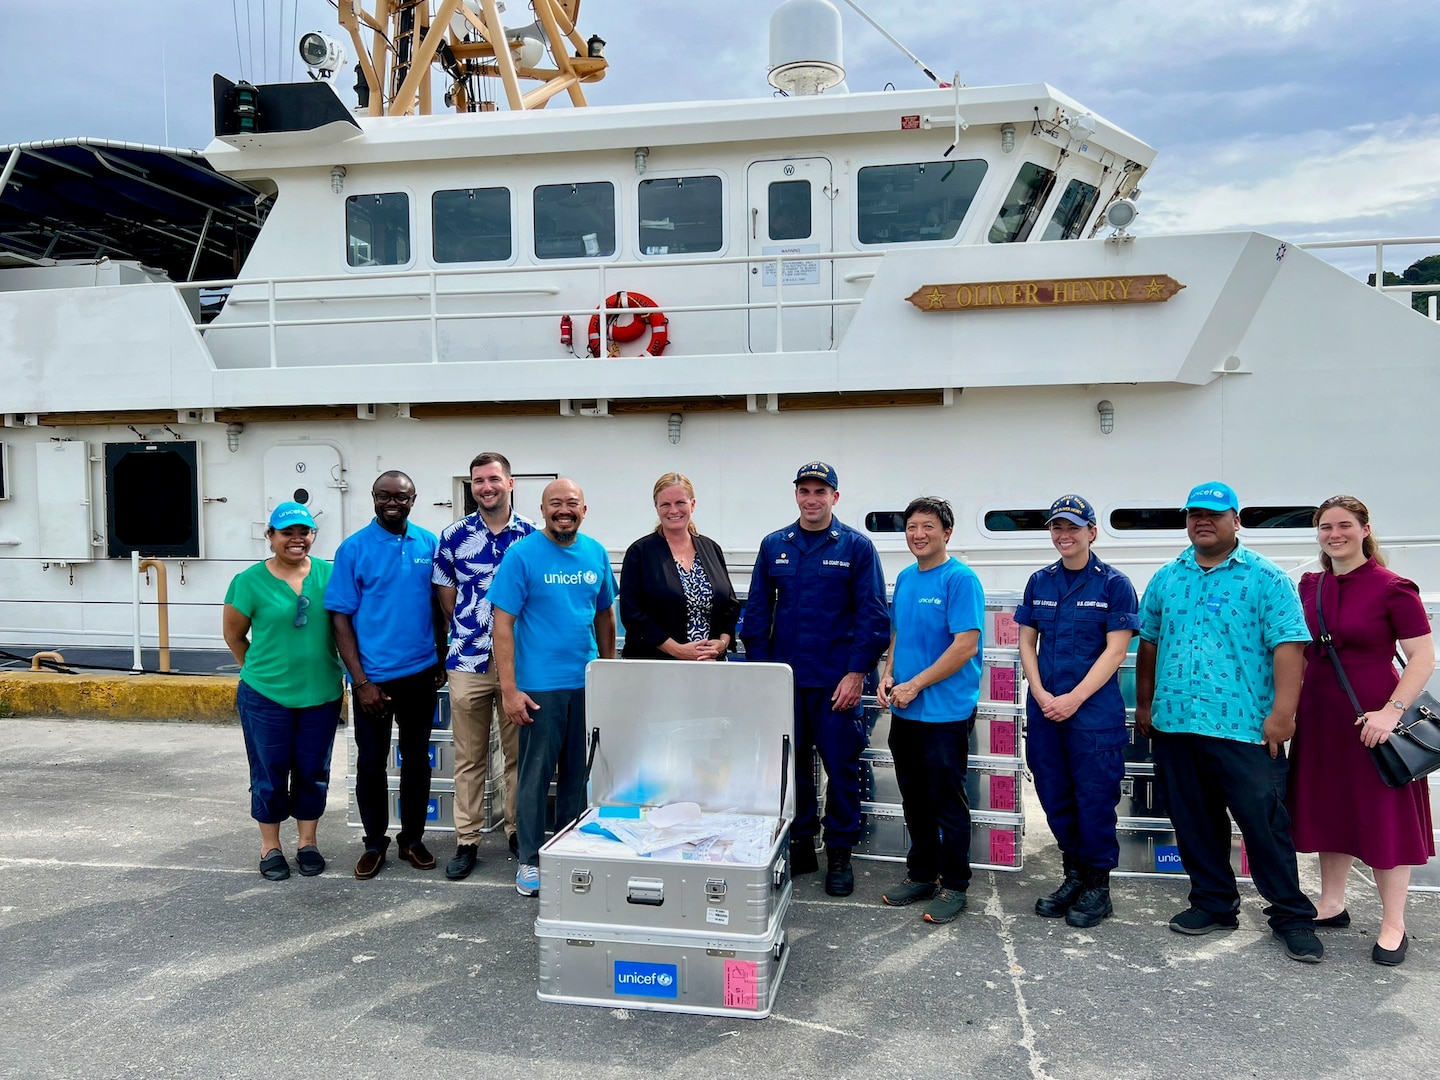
pixel 893 41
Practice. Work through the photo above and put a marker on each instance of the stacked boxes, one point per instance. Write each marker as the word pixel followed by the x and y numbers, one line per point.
pixel 698 928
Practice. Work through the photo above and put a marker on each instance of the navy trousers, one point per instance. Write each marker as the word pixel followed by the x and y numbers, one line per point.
pixel 841 739
pixel 1201 777
pixel 1077 776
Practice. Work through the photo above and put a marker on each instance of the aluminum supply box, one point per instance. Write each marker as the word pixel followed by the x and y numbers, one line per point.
pixel 990 783
pixel 1001 677
pixel 995 839
pixel 995 733
pixel 693 929
pixel 1139 797
pixel 439 808
pixel 1427 878
pixel 1148 848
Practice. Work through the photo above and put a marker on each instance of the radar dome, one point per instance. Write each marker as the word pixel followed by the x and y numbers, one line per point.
pixel 805 47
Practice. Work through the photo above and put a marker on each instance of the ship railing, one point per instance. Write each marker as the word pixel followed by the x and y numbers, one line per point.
pixel 1407 289
pixel 433 293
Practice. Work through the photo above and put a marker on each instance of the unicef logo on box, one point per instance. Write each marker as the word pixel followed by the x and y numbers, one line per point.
pixel 1167 861
pixel 646 980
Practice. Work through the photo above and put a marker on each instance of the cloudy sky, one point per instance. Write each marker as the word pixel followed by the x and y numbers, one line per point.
pixel 1308 119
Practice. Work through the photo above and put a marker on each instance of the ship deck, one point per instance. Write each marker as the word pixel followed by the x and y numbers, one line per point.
pixel 139 940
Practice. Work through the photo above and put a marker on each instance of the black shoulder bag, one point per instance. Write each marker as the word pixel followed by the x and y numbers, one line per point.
pixel 1413 749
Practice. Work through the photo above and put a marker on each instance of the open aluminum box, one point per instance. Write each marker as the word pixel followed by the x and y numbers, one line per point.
pixel 674 933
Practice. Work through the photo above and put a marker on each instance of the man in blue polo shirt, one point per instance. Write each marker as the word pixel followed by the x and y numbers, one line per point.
pixel 553 600
pixel 391 636
pixel 1076 623
pixel 1224 630
pixel 932 685
pixel 817 603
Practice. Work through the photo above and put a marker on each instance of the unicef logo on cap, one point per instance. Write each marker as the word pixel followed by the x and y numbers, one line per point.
pixel 591 577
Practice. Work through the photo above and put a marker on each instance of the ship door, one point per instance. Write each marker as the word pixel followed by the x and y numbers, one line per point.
pixel 310 474
pixel 790 215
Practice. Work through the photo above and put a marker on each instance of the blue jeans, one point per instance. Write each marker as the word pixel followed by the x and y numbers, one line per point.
pixel 1077 777
pixel 289 752
pixel 557 737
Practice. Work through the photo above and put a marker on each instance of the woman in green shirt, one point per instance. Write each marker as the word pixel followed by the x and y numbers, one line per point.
pixel 290 690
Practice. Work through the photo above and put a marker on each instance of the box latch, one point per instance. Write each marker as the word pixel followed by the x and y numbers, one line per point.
pixel 580 880
pixel 715 889
pixel 777 872
pixel 1127 787
pixel 649 891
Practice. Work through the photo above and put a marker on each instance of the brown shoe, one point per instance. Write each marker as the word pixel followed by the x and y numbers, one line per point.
pixel 417 856
pixel 369 864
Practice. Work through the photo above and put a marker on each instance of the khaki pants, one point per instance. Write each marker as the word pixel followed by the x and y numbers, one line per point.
pixel 474 706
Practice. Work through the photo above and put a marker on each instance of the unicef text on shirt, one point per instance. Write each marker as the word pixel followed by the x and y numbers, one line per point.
pixel 580 577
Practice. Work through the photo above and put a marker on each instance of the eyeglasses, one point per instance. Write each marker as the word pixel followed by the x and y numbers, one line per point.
pixel 302 604
pixel 399 500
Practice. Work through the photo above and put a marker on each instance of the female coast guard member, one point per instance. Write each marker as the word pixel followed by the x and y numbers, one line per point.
pixel 1076 622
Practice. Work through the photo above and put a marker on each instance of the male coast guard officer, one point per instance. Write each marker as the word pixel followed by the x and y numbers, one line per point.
pixel 1076 622
pixel 817 603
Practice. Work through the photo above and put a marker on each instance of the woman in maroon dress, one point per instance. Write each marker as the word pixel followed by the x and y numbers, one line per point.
pixel 1339 804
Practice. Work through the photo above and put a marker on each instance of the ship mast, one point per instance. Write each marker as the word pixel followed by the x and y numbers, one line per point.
pixel 459 38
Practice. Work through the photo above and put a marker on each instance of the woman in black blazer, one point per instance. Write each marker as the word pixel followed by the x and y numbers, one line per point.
pixel 676 600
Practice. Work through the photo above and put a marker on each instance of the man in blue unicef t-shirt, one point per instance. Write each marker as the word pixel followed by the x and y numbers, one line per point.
pixel 553 599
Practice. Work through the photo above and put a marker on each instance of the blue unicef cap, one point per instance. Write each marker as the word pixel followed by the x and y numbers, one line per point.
pixel 818 470
pixel 1071 508
pixel 1213 496
pixel 290 513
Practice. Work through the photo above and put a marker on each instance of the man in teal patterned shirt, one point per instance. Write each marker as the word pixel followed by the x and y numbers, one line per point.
pixel 1222 639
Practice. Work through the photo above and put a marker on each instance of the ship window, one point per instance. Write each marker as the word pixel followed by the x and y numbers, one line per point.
pixel 471 225
pixel 1072 212
pixel 788 211
pixel 575 221
pixel 1027 195
pixel 1147 519
pixel 152 499
pixel 378 227
pixel 1016 520
pixel 683 215
pixel 885 521
pixel 1277 517
pixel 900 204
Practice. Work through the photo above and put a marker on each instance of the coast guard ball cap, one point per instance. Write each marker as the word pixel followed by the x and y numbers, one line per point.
pixel 290 513
pixel 818 470
pixel 1213 496
pixel 1071 508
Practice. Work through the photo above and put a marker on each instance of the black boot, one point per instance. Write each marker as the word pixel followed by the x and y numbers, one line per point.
pixel 1093 903
pixel 1062 899
pixel 839 877
pixel 802 856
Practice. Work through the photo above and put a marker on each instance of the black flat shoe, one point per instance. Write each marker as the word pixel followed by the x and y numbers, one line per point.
pixel 274 867
pixel 1391 957
pixel 310 861
pixel 1336 922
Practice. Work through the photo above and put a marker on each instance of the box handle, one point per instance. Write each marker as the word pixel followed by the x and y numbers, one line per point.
pixel 648 891
pixel 784 783
pixel 590 760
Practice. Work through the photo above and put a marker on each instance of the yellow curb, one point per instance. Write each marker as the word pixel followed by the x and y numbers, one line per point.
pixel 119 697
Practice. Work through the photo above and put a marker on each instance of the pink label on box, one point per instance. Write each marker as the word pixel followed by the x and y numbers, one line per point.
pixel 1002 683
pixel 1244 860
pixel 1002 737
pixel 1002 847
pixel 1002 793
pixel 740 979
pixel 1007 631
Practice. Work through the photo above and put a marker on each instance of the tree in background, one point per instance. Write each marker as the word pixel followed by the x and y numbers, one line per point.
pixel 1424 271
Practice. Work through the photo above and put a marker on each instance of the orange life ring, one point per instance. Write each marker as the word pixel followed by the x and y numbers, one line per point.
pixel 634 328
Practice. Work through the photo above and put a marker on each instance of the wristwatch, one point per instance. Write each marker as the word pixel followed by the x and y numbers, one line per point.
pixel 1398 704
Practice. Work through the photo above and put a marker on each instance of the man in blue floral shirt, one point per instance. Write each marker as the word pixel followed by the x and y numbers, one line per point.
pixel 469 554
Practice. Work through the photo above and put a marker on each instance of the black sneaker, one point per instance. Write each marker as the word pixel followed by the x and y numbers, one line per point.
pixel 945 906
pixel 839 874
pixel 1195 921
pixel 466 856
pixel 1062 899
pixel 802 857
pixel 907 892
pixel 1301 944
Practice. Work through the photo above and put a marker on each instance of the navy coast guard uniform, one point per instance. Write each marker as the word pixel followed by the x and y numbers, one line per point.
pixel 817 603
pixel 1078 763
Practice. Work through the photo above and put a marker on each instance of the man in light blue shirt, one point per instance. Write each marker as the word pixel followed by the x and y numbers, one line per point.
pixel 932 685
pixel 1217 678
pixel 553 601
